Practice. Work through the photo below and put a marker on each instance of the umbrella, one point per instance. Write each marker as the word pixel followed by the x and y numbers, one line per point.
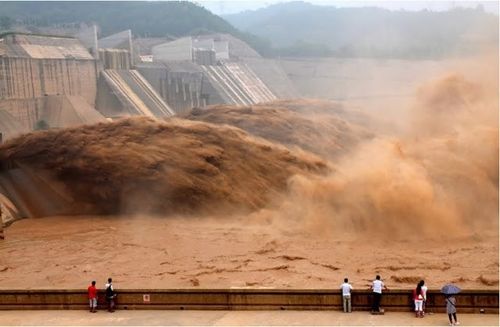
pixel 450 289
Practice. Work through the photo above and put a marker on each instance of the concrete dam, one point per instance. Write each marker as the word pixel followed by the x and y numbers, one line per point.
pixel 132 94
pixel 51 81
pixel 60 81
pixel 238 84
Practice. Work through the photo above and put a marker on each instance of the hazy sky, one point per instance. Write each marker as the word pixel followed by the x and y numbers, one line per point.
pixel 234 6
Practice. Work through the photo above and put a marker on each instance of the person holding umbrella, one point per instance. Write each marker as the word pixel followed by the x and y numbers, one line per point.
pixel 449 292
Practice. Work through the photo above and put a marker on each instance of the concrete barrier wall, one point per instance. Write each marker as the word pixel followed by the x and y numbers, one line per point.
pixel 25 84
pixel 181 85
pixel 244 299
pixel 115 58
pixel 272 74
pixel 27 78
pixel 26 112
pixel 126 92
pixel 55 110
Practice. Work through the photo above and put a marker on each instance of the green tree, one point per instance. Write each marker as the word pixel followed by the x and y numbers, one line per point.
pixel 6 22
pixel 41 125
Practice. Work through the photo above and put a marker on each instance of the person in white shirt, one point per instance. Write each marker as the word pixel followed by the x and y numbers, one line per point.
pixel 424 293
pixel 346 295
pixel 110 295
pixel 377 287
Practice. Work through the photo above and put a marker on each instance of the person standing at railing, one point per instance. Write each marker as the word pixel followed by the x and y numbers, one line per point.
pixel 346 295
pixel 110 295
pixel 418 299
pixel 377 287
pixel 424 294
pixel 92 291
pixel 451 309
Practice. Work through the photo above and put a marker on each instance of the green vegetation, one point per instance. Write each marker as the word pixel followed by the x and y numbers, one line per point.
pixel 144 18
pixel 5 23
pixel 289 29
pixel 151 19
pixel 41 125
pixel 302 29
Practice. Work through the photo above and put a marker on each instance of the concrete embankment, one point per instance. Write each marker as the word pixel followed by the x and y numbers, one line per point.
pixel 135 95
pixel 31 194
pixel 469 301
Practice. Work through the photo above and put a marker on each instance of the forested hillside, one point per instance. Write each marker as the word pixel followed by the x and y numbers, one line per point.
pixel 296 29
pixel 152 19
pixel 303 29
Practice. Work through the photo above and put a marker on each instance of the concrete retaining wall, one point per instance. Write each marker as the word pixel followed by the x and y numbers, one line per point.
pixel 238 84
pixel 56 110
pixel 126 92
pixel 26 83
pixel 181 85
pixel 272 74
pixel 27 78
pixel 115 58
pixel 244 299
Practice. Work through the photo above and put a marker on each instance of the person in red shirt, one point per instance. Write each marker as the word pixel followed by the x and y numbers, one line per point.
pixel 92 297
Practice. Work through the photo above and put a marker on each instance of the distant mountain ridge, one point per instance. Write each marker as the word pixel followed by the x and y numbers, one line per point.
pixel 303 29
pixel 294 29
